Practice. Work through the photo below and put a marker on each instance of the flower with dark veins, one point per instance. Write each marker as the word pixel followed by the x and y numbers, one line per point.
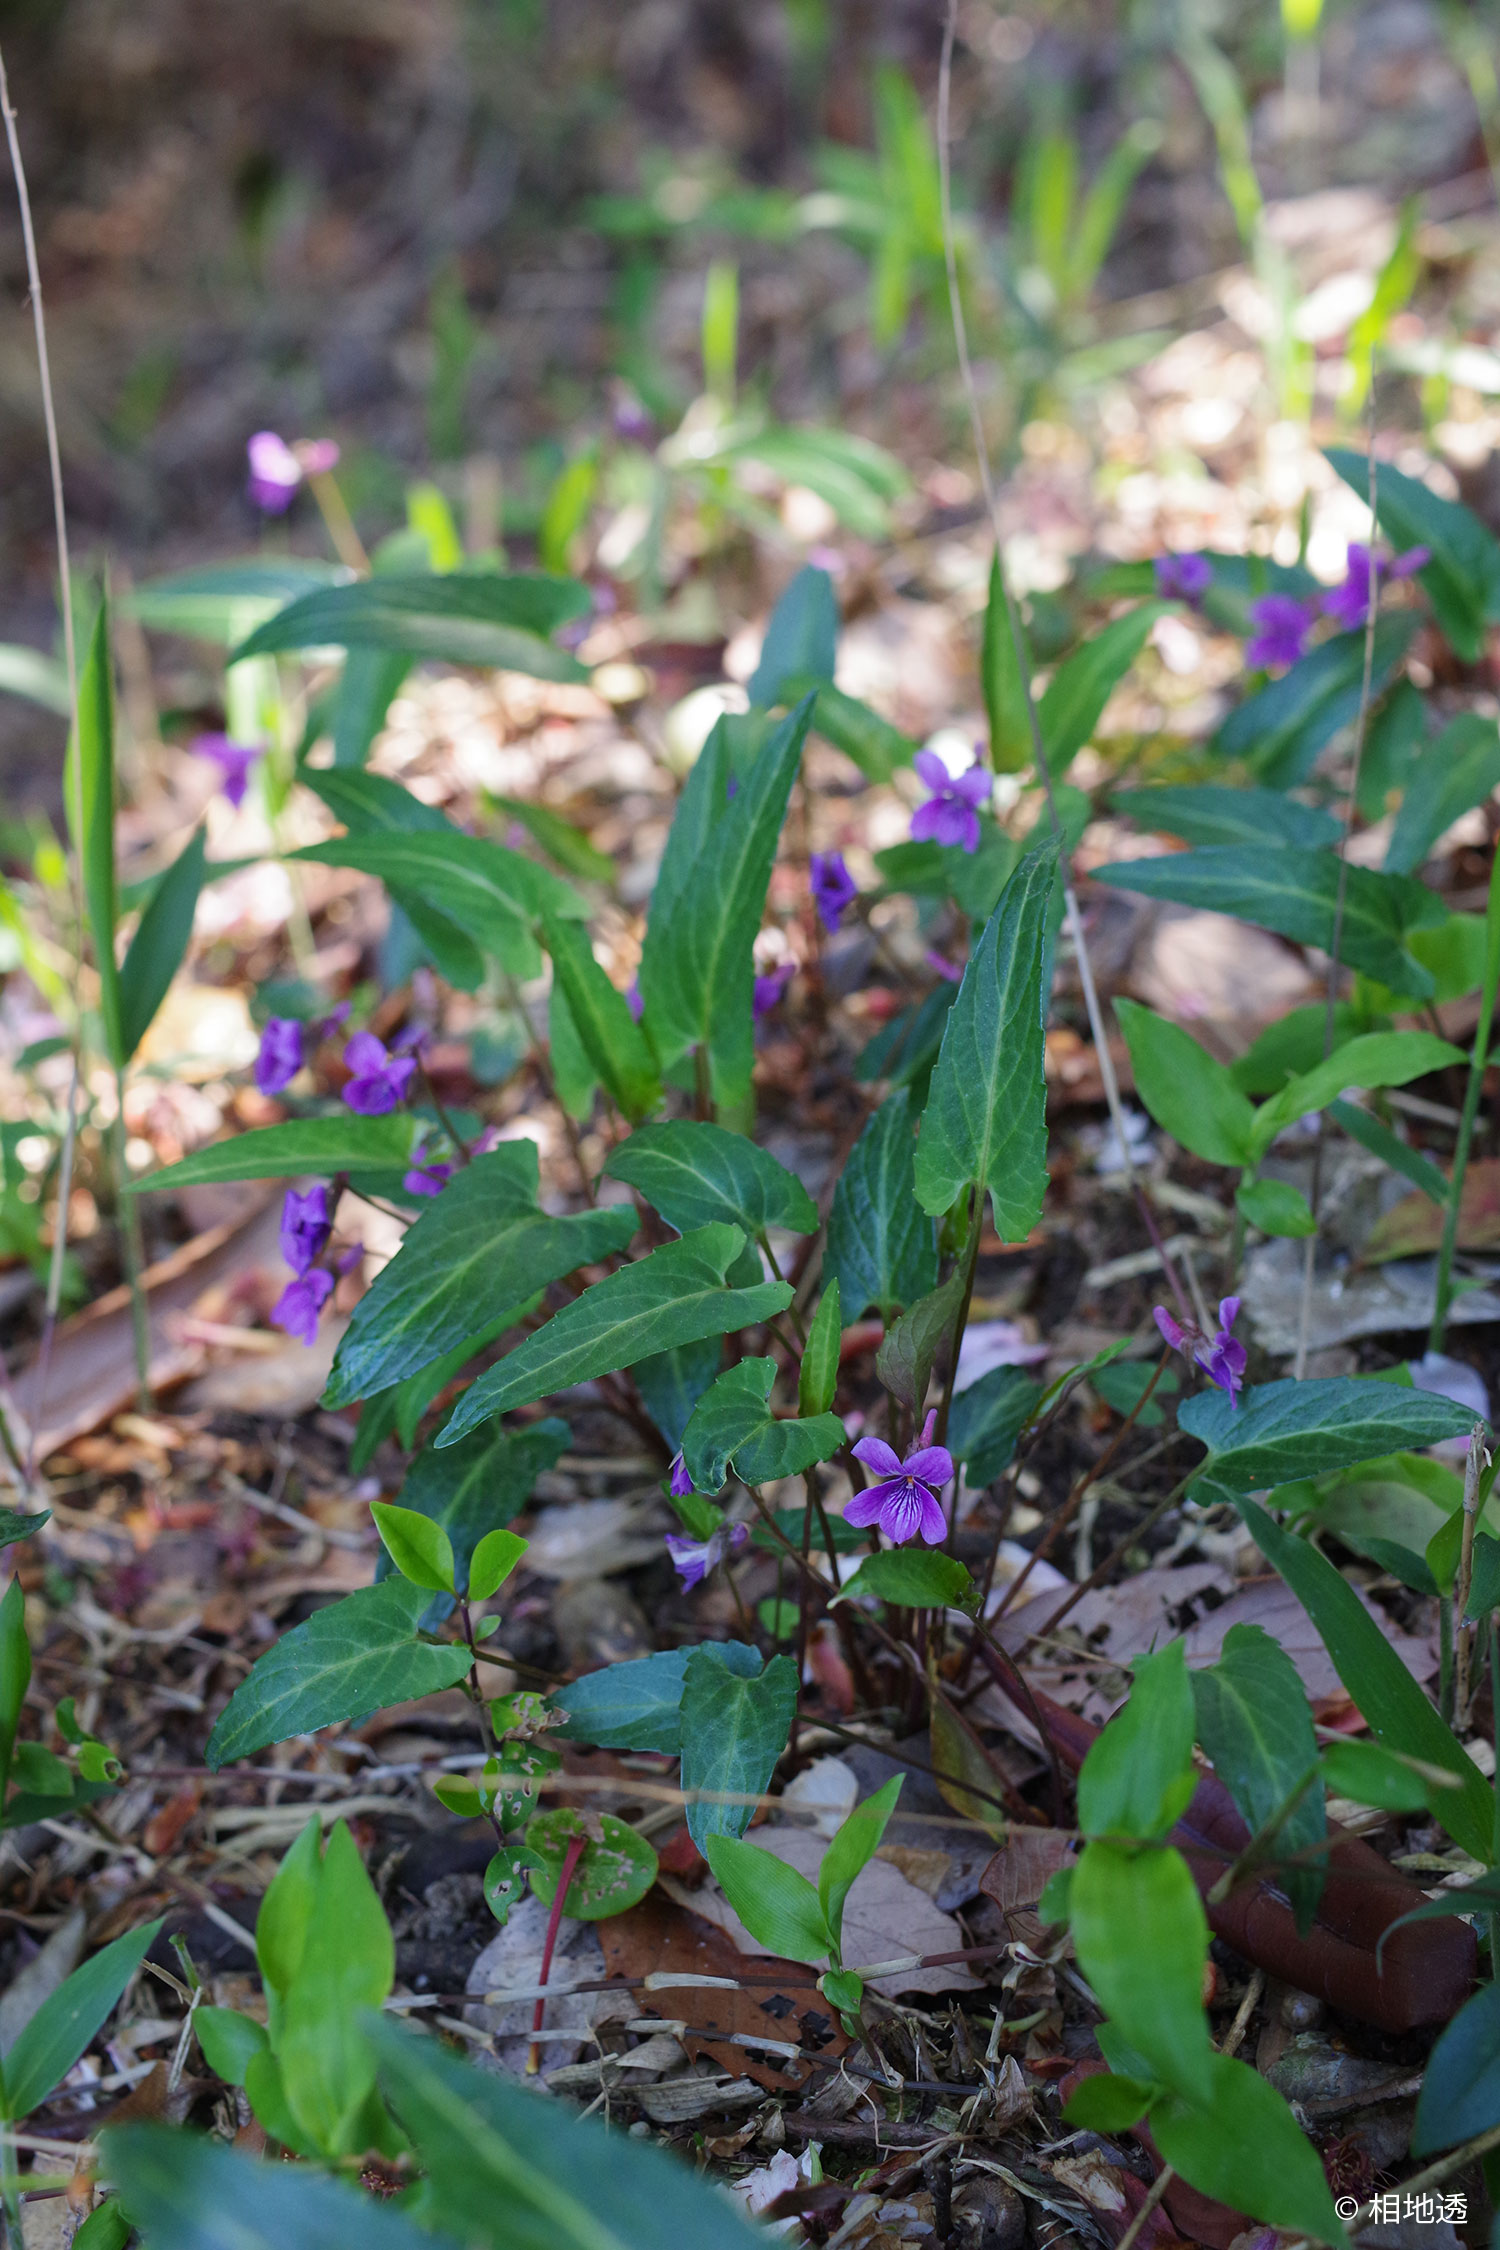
pixel 234 761
pixel 904 1502
pixel 693 1559
pixel 306 1223
pixel 301 1302
pixel 834 889
pixel 1221 1356
pixel 281 1055
pixel 378 1080
pixel 951 813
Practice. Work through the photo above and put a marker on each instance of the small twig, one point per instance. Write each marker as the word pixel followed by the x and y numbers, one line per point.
pixel 1116 1555
pixel 1154 2194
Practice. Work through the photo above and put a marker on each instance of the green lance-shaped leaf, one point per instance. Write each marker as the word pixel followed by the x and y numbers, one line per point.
pixel 801 639
pixel 222 601
pixel 1255 1725
pixel 328 1960
pixel 1394 1706
pixel 372 803
pixel 49 2044
pixel 1280 730
pixel 1210 813
pixel 697 1174
pixel 497 897
pixel 566 846
pixel 1462 577
pixel 777 1904
pixel 873 744
pixel 733 1731
pixel 574 1078
pixel 480 1247
pixel 1084 682
pixel 697 964
pixel 1284 1430
pixel 909 1350
pixel 373 678
pixel 986 1115
pixel 504 2168
pixel 986 1418
pixel 505 622
pixel 188 2192
pixel 161 940
pixel 1189 1093
pixel 1458 771
pixel 482 1484
pixel 881 1247
pixel 854 1845
pixel 1142 1939
pixel 1295 893
pixel 609 1034
pixel 1377 1058
pixel 341 1143
pixel 1005 696
pixel 818 1375
pixel 89 787
pixel 343 1662
pixel 672 1297
pixel 1370 1133
pixel 1139 1776
pixel 638 1706
pixel 1232 2137
pixel 39 679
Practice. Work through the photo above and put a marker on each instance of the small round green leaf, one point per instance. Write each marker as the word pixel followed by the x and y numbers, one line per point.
pixel 420 1549
pixel 495 1558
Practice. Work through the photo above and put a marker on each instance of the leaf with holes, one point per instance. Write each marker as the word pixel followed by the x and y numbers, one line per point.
pixel 614 1871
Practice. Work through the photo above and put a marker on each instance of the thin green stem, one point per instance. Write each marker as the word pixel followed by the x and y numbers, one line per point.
pixel 1478 1060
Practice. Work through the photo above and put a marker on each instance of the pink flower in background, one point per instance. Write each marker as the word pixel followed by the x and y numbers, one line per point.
pixel 318 456
pixel 378 1079
pixel 275 473
pixel 281 1055
pixel 693 1559
pixel 951 814
pixel 298 1307
pixel 1222 1356
pixel 233 759
pixel 306 1223
pixel 769 988
pixel 834 889
pixel 1283 624
pixel 905 1501
pixel 1183 578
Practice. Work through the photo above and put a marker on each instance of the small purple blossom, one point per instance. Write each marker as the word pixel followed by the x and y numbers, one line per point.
pixel 1349 604
pixel 951 972
pixel 693 1559
pixel 300 1303
pixel 275 473
pixel 1283 626
pixel 633 1000
pixel 951 814
pixel 905 1501
pixel 834 889
pixel 769 988
pixel 234 761
pixel 679 1483
pixel 306 1223
pixel 377 1079
pixel 1183 578
pixel 427 1178
pixel 281 1054
pixel 1221 1356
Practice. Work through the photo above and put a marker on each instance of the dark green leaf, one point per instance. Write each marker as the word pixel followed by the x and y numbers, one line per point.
pixel 904 1051
pixel 456 618
pixel 51 2041
pixel 906 1358
pixel 1280 731
pixel 733 1422
pixel 1460 2094
pixel 1283 1430
pixel 1256 1728
pixel 1211 814
pixel 912 1578
pixel 1394 1706
pixel 13 1526
pixel 1462 579
pixel 160 943
pixel 638 1705
pixel 672 1297
pixel 89 791
pixel 224 600
pixel 1295 893
pixel 341 1143
pixel 881 1247
pixel 801 639
pixel 986 1418
pixel 1484 1586
pixel 671 1383
pixel 1455 773
pixel 788 1448
pixel 373 678
pixel 696 1174
pixel 1139 1773
pixel 1188 1092
pixel 369 803
pixel 1232 2137
pixel 609 1034
pixel 496 896
pixel 985 1120
pixel 734 1729
pixel 343 1662
pixel 188 2192
pixel 479 1249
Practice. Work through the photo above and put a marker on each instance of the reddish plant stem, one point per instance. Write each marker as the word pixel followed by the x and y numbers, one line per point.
pixel 571 1857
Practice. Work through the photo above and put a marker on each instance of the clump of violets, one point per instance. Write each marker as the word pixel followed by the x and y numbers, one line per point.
pixel 276 468
pixel 693 1559
pixel 306 1224
pixel 378 1079
pixel 834 889
pixel 1183 578
pixel 1221 1356
pixel 235 761
pixel 1348 604
pixel 904 1503
pixel 951 813
pixel 1282 626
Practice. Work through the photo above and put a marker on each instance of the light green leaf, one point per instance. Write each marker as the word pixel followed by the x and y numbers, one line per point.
pixel 49 2044
pixel 1255 1725
pixel 1232 2137
pixel 40 679
pixel 496 896
pixel 495 1558
pixel 1141 1937
pixel 420 1549
pixel 343 1662
pixel 1084 682
pixel 347 1965
pixel 854 1845
pixel 224 600
pixel 1378 1058
pixel 478 1248
pixel 480 1485
pixel 1283 1430
pixel 1139 1776
pixel 1276 1207
pixel 566 846
pixel 912 1578
pixel 734 1730
pixel 89 795
pixel 1295 893
pixel 697 1174
pixel 1109 2102
pixel 481 618
pixel 614 1871
pixel 1373 1776
pixel 818 1375
pixel 873 744
pixel 609 1034
pixel 778 1906
pixel 228 2040
pixel 1382 1142
pixel 986 1114
pixel 881 1247
pixel 188 2192
pixel 1005 696
pixel 672 1297
pixel 341 1143
pixel 160 943
pixel 1189 1093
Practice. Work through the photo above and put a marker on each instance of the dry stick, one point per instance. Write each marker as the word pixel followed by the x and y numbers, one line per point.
pixel 1116 1555
pixel 1023 665
pixel 65 588
pixel 1361 729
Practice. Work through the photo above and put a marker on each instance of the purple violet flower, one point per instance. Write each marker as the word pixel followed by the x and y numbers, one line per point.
pixel 234 761
pixel 679 1483
pixel 378 1079
pixel 275 473
pixel 769 989
pixel 951 972
pixel 834 889
pixel 1183 578
pixel 1221 1356
pixel 300 1303
pixel 905 1501
pixel 1349 603
pixel 951 814
pixel 633 1000
pixel 427 1178
pixel 281 1055
pixel 1284 624
pixel 306 1223
pixel 693 1559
